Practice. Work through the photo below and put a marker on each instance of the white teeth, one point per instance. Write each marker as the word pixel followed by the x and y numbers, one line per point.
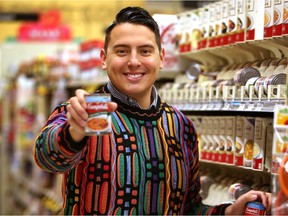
pixel 134 75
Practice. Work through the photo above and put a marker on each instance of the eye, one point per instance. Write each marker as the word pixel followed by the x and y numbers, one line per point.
pixel 146 51
pixel 121 52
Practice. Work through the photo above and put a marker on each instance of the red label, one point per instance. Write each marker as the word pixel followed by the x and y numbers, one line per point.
pixel 250 34
pixel 240 37
pixel 97 107
pixel 230 158
pixel 224 40
pixel 257 163
pixel 214 156
pixel 254 208
pixel 277 30
pixel 222 157
pixel 268 32
pixel 209 155
pixel 238 160
pixel 285 28
pixel 203 155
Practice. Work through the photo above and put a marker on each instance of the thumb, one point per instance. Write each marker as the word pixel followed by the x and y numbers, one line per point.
pixel 112 106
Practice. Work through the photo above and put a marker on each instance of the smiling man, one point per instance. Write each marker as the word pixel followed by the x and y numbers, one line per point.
pixel 148 164
pixel 132 60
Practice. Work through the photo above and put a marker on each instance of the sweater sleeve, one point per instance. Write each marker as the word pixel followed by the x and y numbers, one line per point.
pixel 194 205
pixel 54 150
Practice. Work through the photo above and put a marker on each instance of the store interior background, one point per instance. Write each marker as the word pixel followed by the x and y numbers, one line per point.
pixel 35 76
pixel 21 193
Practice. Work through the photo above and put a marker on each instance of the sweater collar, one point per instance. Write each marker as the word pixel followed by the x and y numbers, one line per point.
pixel 129 100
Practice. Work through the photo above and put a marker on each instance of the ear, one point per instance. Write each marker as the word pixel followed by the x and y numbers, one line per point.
pixel 162 56
pixel 103 59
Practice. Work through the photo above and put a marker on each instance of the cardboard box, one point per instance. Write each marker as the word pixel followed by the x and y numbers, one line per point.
pixel 255 20
pixel 268 18
pixel 204 139
pixel 222 140
pixel 184 36
pixel 218 23
pixel 241 21
pixel 212 25
pixel 230 139
pixel 249 128
pixel 232 21
pixel 285 18
pixel 278 17
pixel 216 141
pixel 259 143
pixel 239 143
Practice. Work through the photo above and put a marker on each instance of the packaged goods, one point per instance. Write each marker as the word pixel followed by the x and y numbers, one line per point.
pixel 99 114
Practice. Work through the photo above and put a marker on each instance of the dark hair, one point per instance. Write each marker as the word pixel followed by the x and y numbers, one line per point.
pixel 134 15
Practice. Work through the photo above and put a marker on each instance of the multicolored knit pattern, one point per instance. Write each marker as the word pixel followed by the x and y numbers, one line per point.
pixel 148 165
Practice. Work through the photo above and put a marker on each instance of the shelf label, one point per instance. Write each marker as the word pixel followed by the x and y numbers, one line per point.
pixel 250 107
pixel 226 106
pixel 242 106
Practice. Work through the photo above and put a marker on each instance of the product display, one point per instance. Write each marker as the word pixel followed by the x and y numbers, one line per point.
pixel 233 88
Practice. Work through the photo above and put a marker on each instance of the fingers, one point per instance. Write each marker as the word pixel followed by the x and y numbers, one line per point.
pixel 77 107
pixel 80 94
pixel 251 196
pixel 263 197
pixel 77 115
pixel 266 200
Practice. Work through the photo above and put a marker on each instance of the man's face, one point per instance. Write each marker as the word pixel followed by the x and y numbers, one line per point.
pixel 132 60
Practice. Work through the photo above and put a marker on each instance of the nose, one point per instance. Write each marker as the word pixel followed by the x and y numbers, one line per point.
pixel 134 59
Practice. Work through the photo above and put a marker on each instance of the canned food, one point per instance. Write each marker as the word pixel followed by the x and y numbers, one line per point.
pixel 250 83
pixel 238 189
pixel 244 74
pixel 254 208
pixel 277 79
pixel 99 114
pixel 259 82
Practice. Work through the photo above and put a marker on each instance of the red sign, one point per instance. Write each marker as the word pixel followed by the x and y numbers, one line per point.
pixel 49 28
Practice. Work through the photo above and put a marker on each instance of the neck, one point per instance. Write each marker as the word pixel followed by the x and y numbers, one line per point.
pixel 144 101
pixel 141 101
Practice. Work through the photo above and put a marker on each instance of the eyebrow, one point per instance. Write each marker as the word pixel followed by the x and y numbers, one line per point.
pixel 142 46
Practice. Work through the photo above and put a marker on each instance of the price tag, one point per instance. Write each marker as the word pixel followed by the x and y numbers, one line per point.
pixel 204 106
pixel 259 107
pixel 242 106
pixel 190 107
pixel 210 106
pixel 217 106
pixel 226 106
pixel 197 106
pixel 250 107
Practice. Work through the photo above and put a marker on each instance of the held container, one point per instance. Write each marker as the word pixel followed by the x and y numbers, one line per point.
pixel 99 114
pixel 254 208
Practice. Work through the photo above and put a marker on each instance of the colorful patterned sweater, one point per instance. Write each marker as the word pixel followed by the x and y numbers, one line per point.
pixel 148 165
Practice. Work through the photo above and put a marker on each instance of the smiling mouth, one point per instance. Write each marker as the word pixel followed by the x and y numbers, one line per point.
pixel 134 76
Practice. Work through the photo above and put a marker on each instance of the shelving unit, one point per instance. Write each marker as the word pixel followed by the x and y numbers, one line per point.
pixel 203 101
pixel 208 101
pixel 218 57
